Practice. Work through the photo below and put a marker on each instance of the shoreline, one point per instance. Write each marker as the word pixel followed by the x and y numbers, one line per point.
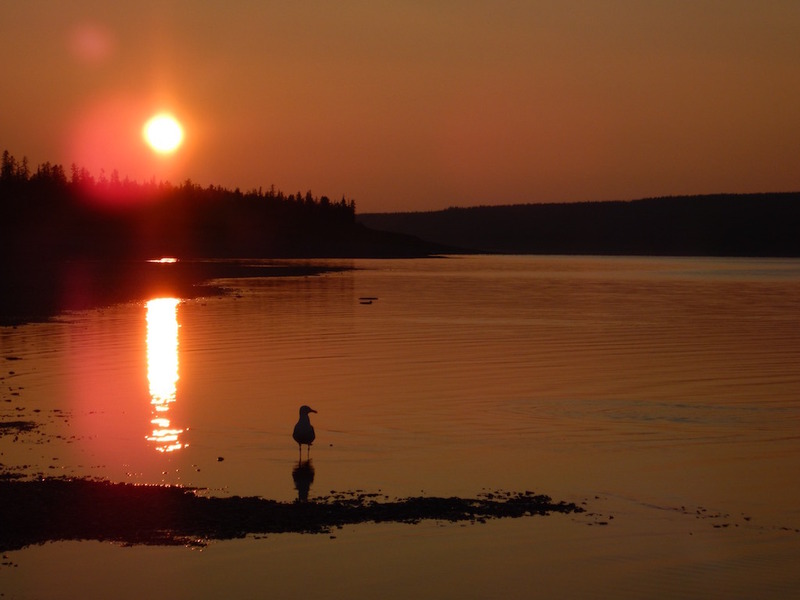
pixel 45 289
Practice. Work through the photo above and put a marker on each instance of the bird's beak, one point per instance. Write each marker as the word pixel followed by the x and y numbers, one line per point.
pixel 312 410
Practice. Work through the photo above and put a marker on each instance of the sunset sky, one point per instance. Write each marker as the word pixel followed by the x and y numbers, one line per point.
pixel 414 105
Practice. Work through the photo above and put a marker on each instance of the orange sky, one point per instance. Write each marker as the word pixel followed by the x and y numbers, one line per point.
pixel 415 105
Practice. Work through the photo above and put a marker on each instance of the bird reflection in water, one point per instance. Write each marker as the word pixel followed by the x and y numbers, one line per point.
pixel 303 475
pixel 162 370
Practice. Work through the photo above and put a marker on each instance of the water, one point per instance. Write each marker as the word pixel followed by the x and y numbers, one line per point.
pixel 664 393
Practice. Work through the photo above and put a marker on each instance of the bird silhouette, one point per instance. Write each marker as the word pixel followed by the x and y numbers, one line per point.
pixel 304 432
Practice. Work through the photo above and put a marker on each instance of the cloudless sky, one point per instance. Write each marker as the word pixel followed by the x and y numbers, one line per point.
pixel 414 104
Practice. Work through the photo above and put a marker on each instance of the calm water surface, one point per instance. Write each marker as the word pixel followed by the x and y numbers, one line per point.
pixel 663 392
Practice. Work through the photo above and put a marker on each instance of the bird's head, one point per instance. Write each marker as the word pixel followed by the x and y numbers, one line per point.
pixel 304 410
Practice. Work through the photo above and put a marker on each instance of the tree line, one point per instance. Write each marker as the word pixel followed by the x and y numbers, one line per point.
pixel 49 212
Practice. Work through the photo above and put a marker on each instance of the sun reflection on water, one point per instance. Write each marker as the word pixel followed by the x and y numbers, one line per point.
pixel 162 370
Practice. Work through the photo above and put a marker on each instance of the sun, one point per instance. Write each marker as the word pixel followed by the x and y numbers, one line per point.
pixel 163 133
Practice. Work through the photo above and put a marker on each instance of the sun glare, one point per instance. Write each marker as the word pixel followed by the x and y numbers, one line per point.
pixel 162 370
pixel 163 133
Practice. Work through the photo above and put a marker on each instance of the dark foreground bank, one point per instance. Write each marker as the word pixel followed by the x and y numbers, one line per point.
pixel 48 510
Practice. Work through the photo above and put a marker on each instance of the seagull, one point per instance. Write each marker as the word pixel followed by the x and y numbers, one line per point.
pixel 303 431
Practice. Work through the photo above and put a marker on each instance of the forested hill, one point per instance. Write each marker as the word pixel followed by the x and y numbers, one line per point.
pixel 46 214
pixel 710 225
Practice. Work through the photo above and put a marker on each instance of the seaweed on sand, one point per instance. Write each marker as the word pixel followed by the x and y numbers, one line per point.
pixel 53 509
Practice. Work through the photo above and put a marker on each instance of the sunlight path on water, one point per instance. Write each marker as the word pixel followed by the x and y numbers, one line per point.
pixel 162 370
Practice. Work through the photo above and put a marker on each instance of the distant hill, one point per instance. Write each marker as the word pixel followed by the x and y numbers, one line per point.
pixel 709 225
